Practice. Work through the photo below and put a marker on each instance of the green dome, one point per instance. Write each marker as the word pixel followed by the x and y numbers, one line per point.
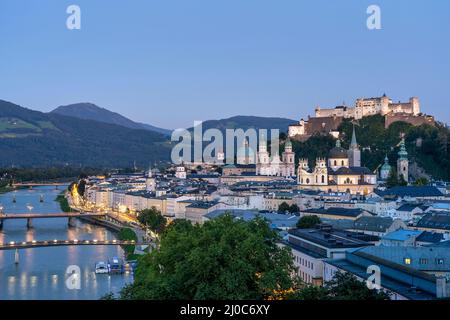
pixel 386 166
pixel 288 143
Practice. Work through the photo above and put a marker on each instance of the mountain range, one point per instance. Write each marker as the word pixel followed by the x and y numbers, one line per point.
pixel 36 139
pixel 90 111
pixel 84 134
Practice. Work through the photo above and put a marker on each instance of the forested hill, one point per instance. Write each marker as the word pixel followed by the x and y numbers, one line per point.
pixel 30 138
pixel 427 145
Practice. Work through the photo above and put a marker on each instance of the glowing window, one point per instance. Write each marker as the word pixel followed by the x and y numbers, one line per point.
pixel 407 260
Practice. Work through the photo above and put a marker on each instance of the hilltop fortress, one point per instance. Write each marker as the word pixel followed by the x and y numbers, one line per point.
pixel 327 120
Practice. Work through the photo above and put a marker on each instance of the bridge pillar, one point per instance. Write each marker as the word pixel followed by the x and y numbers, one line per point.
pixel 16 256
pixel 29 223
pixel 71 222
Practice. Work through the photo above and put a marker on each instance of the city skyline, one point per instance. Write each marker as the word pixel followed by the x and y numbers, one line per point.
pixel 191 60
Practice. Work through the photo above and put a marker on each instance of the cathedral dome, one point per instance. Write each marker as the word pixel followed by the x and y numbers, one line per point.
pixel 386 167
pixel 338 152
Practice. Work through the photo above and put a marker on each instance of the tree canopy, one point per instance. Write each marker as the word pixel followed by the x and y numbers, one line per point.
pixel 307 222
pixel 224 258
pixel 284 207
pixel 153 219
pixel 343 286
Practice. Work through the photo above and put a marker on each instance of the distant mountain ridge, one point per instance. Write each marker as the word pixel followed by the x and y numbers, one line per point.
pixel 90 111
pixel 69 136
pixel 35 139
pixel 247 122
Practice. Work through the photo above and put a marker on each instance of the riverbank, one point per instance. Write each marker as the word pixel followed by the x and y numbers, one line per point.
pixel 6 189
pixel 41 273
pixel 63 203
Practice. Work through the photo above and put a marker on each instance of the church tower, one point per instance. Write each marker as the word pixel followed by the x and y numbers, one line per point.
pixel 245 154
pixel 263 159
pixel 150 182
pixel 354 153
pixel 385 169
pixel 402 161
pixel 288 159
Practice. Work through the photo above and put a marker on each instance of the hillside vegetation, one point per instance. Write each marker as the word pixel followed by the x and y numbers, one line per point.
pixel 34 139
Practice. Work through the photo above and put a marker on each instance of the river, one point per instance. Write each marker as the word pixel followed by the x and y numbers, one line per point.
pixel 41 272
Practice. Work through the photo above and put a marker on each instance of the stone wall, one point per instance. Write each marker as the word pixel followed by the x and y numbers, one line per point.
pixel 408 118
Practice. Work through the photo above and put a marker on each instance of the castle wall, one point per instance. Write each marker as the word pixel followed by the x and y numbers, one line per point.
pixel 408 118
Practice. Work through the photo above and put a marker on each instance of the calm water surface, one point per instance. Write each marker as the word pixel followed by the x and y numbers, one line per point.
pixel 41 272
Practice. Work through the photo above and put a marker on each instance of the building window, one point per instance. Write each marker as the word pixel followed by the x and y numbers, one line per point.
pixel 440 261
pixel 323 179
pixel 307 180
pixel 342 162
pixel 407 260
pixel 423 261
pixel 335 163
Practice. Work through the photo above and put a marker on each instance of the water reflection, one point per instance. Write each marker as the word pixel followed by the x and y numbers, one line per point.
pixel 41 272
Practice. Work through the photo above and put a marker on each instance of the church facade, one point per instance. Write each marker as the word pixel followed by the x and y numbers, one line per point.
pixel 267 165
pixel 342 172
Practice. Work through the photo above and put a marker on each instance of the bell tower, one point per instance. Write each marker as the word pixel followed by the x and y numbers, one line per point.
pixel 402 162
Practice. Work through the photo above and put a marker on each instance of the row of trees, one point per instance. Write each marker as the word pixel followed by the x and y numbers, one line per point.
pixel 227 258
pixel 48 173
pixel 286 208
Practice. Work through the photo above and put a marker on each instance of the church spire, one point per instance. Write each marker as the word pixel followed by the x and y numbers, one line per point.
pixel 353 144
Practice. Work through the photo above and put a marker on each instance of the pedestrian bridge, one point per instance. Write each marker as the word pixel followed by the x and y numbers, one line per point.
pixel 37 184
pixel 12 245
pixel 6 216
pixel 30 216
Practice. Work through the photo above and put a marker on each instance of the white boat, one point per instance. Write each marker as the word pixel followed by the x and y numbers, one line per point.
pixel 101 267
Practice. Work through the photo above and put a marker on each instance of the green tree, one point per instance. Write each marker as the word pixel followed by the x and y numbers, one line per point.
pixel 402 181
pixel 81 187
pixel 345 286
pixel 310 292
pixel 294 208
pixel 128 234
pixel 307 222
pixel 283 207
pixel 392 179
pixel 152 219
pixel 224 258
pixel 421 182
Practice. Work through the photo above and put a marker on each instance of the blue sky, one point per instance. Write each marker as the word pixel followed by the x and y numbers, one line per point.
pixel 171 62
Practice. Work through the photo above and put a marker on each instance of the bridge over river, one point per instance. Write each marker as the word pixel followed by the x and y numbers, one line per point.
pixel 12 245
pixel 57 243
pixel 30 216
